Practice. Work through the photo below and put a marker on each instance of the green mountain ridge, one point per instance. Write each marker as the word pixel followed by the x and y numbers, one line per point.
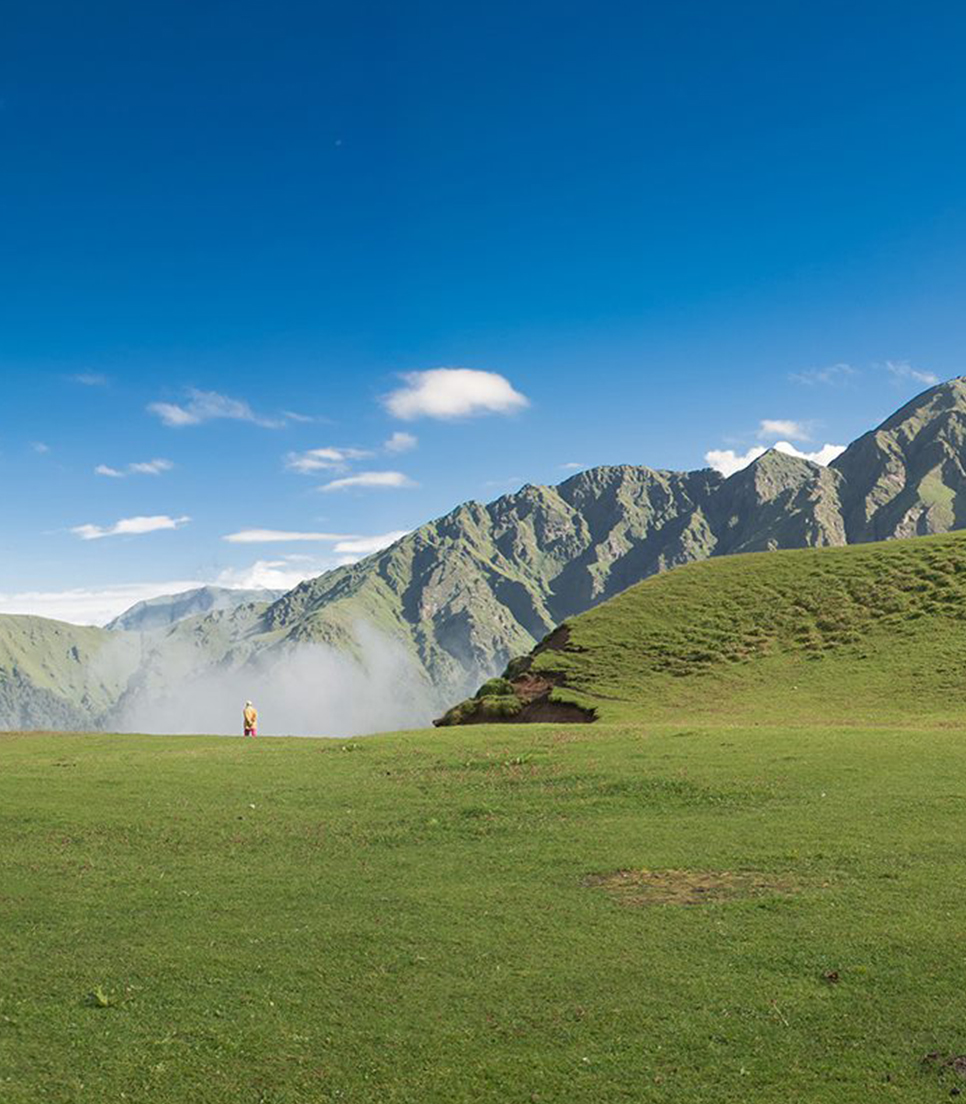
pixel 462 594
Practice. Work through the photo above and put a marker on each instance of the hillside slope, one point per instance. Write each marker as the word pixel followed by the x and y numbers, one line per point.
pixel 159 613
pixel 836 634
pixel 54 675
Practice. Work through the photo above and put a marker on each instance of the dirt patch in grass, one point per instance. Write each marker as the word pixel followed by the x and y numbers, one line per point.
pixel 638 888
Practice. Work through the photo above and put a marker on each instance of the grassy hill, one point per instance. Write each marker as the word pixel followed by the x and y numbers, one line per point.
pixel 863 633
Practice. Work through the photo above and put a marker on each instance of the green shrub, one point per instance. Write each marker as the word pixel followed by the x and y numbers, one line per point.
pixel 495 688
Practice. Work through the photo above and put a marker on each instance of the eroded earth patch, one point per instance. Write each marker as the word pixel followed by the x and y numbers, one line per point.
pixel 638 888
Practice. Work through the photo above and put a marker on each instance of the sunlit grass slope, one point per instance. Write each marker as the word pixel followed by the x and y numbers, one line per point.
pixel 868 632
pixel 405 919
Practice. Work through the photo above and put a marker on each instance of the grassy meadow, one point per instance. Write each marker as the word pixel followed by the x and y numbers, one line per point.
pixel 743 884
pixel 406 918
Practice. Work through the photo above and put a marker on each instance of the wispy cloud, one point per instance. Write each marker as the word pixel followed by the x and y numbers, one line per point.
pixel 323 459
pixel 374 479
pixel 783 427
pixel 903 370
pixel 135 526
pixel 832 375
pixel 269 575
pixel 40 448
pixel 449 393
pixel 366 546
pixel 144 467
pixel 401 442
pixel 283 536
pixel 207 406
pixel 572 465
pixel 727 461
pixel 90 379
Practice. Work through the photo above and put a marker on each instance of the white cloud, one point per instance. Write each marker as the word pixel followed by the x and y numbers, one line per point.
pixel 365 546
pixel 145 467
pixel 782 427
pixel 40 448
pixel 453 393
pixel 294 416
pixel 572 466
pixel 401 442
pixel 833 375
pixel 323 459
pixel 727 461
pixel 206 406
pixel 282 536
pixel 377 479
pixel 90 379
pixel 135 526
pixel 151 467
pixel 902 370
pixel 89 605
pixel 270 574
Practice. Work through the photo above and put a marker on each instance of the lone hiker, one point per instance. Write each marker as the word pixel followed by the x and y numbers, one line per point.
pixel 251 719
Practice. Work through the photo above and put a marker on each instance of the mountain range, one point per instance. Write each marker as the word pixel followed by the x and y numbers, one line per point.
pixel 460 595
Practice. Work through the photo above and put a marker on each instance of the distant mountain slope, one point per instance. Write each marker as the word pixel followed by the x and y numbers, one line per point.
pixel 871 632
pixel 159 613
pixel 59 676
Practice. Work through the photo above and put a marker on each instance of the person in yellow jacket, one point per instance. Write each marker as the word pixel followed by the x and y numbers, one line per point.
pixel 251 719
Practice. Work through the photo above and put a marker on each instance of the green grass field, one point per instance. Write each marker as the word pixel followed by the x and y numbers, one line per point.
pixel 432 916
pixel 404 918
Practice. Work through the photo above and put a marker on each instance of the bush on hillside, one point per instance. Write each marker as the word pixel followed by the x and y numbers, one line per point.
pixel 495 688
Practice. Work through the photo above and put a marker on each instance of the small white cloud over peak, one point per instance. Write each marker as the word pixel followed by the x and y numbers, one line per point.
pixel 323 459
pixel 832 375
pixel 727 461
pixel 365 546
pixel 903 370
pixel 135 526
pixel 401 442
pixel 572 465
pixel 384 480
pixel 268 575
pixel 206 406
pixel 143 467
pixel 449 393
pixel 283 536
pixel 784 427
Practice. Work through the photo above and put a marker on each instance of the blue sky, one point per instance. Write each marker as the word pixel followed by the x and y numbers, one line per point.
pixel 660 226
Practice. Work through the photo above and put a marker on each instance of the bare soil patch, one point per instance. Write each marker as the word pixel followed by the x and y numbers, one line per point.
pixel 638 888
